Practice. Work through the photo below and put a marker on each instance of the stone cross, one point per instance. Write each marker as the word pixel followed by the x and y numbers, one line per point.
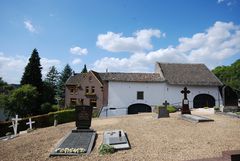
pixel 185 103
pixel 30 122
pixel 15 124
pixel 165 104
pixel 185 91
pixel 163 112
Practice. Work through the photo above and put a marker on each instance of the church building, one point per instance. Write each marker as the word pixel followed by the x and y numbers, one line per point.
pixel 126 93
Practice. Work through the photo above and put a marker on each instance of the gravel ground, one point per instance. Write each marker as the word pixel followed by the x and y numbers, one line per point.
pixel 165 139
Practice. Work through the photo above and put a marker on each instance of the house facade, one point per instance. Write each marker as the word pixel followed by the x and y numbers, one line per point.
pixel 123 93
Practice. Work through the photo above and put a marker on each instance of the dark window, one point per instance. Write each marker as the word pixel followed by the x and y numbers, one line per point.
pixel 93 102
pixel 87 90
pixel 71 90
pixel 140 95
pixel 93 90
pixel 73 101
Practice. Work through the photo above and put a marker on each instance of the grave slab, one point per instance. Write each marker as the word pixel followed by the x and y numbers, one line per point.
pixel 116 138
pixel 76 140
pixel 195 118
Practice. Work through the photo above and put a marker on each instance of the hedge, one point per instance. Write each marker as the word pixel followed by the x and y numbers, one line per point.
pixel 41 121
pixel 171 109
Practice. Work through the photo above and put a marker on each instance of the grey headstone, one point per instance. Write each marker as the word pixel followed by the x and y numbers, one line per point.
pixel 83 116
pixel 163 112
pixel 118 141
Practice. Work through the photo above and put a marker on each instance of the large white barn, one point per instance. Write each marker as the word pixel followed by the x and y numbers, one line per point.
pixel 124 93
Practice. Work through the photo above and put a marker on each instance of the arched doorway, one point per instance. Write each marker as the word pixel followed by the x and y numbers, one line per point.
pixel 203 100
pixel 139 107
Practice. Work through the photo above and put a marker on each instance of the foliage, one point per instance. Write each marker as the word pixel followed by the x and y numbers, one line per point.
pixel 171 109
pixel 48 94
pixel 32 74
pixel 4 87
pixel 65 74
pixel 23 100
pixel 84 70
pixel 229 75
pixel 52 78
pixel 47 107
pixel 105 149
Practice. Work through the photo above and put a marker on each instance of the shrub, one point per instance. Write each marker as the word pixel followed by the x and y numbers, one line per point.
pixel 205 107
pixel 105 149
pixel 171 109
pixel 216 108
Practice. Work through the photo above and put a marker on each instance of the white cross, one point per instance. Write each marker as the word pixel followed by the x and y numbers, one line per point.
pixel 30 122
pixel 15 124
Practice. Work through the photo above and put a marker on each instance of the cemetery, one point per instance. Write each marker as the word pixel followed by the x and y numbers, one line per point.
pixel 145 136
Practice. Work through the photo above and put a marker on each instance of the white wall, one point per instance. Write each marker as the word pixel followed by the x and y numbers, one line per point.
pixel 173 95
pixel 123 94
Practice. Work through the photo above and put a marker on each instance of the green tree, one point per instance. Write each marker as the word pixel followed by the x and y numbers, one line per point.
pixel 65 74
pixel 52 76
pixel 4 87
pixel 84 70
pixel 32 74
pixel 23 101
pixel 48 94
pixel 229 75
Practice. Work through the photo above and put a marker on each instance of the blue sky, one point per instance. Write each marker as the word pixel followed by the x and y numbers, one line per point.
pixel 118 35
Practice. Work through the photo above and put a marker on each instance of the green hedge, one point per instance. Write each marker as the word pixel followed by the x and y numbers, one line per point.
pixel 41 121
pixel 171 109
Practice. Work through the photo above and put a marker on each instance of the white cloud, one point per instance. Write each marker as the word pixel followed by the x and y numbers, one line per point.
pixel 29 26
pixel 78 51
pixel 76 61
pixel 140 41
pixel 220 1
pixel 47 63
pixel 12 67
pixel 218 43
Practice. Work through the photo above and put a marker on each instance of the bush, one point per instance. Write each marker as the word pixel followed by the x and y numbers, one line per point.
pixel 105 149
pixel 171 109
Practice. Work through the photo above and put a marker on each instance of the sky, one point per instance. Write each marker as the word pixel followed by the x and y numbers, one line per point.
pixel 117 35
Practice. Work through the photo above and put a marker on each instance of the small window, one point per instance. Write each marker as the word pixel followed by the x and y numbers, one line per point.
pixel 71 90
pixel 73 101
pixel 93 102
pixel 87 90
pixel 90 78
pixel 93 90
pixel 140 95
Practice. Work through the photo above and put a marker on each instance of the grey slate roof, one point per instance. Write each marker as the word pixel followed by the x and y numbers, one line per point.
pixel 131 77
pixel 188 74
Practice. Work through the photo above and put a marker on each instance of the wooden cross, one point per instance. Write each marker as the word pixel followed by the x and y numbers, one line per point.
pixel 185 91
pixel 30 122
pixel 15 124
pixel 165 104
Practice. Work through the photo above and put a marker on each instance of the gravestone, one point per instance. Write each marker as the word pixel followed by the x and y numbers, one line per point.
pixel 116 138
pixel 162 111
pixel 30 122
pixel 195 118
pixel 15 124
pixel 80 139
pixel 185 102
pixel 83 117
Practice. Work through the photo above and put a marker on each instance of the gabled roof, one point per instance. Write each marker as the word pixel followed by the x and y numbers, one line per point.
pixel 131 77
pixel 75 79
pixel 188 74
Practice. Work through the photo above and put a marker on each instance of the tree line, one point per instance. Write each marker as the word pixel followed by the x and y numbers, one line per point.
pixel 35 96
pixel 229 75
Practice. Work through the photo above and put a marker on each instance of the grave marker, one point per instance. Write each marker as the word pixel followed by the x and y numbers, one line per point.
pixel 185 102
pixel 30 122
pixel 163 112
pixel 80 138
pixel 15 124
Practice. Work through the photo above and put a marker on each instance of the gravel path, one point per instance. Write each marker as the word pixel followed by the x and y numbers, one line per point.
pixel 166 139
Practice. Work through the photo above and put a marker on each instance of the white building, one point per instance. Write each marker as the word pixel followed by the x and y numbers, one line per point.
pixel 125 93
